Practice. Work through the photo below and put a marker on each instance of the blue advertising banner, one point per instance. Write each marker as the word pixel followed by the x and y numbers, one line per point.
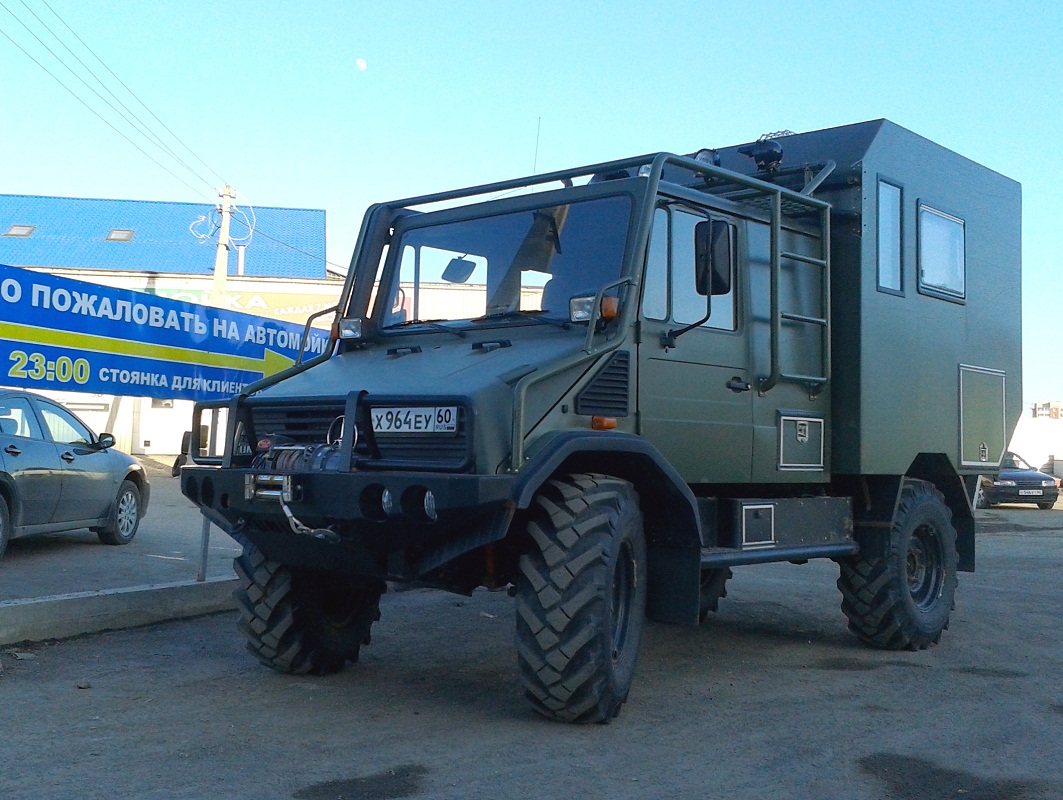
pixel 60 333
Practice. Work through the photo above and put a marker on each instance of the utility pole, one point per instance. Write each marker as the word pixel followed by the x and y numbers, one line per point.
pixel 221 256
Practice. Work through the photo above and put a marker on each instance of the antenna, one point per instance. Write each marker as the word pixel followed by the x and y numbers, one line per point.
pixel 535 160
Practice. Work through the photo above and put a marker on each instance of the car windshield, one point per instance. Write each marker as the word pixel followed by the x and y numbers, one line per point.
pixel 520 265
pixel 1014 461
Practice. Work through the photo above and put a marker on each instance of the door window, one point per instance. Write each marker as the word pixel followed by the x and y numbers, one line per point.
pixel 670 291
pixel 16 419
pixel 64 428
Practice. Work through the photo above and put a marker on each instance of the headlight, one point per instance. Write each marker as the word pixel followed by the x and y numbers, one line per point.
pixel 1048 483
pixel 580 309
pixel 1003 483
pixel 349 328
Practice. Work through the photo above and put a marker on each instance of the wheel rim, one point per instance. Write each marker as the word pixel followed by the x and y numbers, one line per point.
pixel 127 514
pixel 623 591
pixel 924 566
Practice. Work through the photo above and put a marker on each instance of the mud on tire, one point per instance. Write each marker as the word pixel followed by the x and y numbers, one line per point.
pixel 581 598
pixel 299 622
pixel 903 601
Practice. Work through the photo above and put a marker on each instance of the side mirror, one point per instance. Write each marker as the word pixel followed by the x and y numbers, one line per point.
pixel 713 257
pixel 458 270
pixel 105 440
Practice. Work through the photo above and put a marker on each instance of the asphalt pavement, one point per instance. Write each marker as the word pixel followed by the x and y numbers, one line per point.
pixel 66 584
pixel 771 698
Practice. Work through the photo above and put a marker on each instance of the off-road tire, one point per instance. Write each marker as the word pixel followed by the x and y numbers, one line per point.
pixel 125 516
pixel 300 622
pixel 581 598
pixel 903 601
pixel 713 589
pixel 5 526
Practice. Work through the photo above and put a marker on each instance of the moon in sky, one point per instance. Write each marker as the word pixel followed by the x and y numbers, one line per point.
pixel 360 63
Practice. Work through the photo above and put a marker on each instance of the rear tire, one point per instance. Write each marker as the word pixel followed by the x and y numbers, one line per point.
pixel 299 622
pixel 903 601
pixel 713 589
pixel 581 598
pixel 125 516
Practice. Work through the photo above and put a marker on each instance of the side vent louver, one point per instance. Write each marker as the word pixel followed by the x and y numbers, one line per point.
pixel 606 395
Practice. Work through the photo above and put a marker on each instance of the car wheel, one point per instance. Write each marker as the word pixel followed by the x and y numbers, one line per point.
pixel 1046 505
pixel 125 516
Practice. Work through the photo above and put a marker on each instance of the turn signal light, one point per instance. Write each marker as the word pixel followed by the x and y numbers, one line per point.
pixel 603 423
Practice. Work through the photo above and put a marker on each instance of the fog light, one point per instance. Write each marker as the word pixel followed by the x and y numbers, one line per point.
pixel 430 505
pixel 387 502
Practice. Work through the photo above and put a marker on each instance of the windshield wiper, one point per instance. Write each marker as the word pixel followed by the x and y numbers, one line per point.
pixel 428 323
pixel 528 315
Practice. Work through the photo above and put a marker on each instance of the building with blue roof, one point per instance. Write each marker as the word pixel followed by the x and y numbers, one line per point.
pixel 168 249
pixel 158 237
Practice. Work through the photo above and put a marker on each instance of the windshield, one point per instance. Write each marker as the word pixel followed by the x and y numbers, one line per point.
pixel 529 261
pixel 1014 461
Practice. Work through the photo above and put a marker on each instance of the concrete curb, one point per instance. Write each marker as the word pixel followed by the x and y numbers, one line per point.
pixel 62 616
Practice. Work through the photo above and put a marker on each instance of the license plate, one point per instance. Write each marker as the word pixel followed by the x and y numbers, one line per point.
pixel 430 419
pixel 1031 492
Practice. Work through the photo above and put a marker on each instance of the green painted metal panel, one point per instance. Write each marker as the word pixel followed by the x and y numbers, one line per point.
pixel 983 419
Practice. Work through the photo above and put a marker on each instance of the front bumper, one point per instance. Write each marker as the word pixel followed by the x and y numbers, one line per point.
pixel 348 527
pixel 1020 494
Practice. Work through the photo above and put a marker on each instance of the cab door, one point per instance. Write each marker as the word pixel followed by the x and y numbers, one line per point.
pixel 89 483
pixel 694 376
pixel 30 461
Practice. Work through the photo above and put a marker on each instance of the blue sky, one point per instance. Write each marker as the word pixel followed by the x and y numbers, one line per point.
pixel 270 95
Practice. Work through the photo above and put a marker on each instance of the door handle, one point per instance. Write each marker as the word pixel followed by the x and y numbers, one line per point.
pixel 67 457
pixel 737 385
pixel 11 450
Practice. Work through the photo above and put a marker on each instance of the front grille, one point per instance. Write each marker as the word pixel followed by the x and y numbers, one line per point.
pixel 301 424
pixel 309 424
pixel 607 394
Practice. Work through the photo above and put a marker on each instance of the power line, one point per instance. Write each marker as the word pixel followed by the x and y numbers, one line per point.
pixel 92 89
pixel 296 249
pixel 143 128
pixel 133 120
pixel 90 108
pixel 133 94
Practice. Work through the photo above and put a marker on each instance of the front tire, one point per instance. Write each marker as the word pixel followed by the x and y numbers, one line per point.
pixel 299 622
pixel 1046 506
pixel 125 516
pixel 903 601
pixel 581 598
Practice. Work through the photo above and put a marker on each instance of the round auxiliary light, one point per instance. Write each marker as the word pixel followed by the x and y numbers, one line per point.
pixel 387 502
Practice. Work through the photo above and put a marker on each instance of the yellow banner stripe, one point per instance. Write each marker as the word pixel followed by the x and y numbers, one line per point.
pixel 105 344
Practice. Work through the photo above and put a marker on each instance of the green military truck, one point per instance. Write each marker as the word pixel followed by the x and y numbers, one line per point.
pixel 603 388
